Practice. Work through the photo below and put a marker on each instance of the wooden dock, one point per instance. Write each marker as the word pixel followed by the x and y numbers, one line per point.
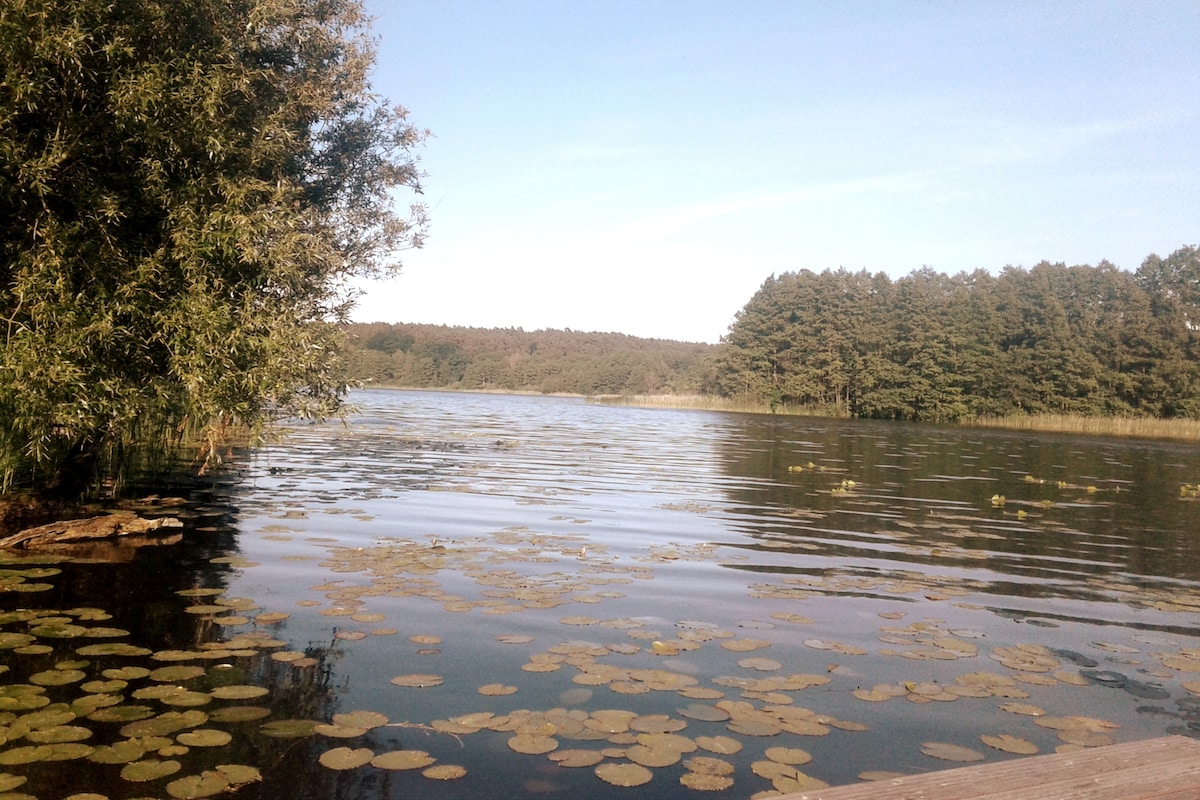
pixel 1156 769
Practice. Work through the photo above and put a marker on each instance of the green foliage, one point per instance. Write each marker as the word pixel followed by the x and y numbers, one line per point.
pixel 1090 341
pixel 183 189
pixel 548 361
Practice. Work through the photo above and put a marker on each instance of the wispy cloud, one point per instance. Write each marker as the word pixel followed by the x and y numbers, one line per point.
pixel 1022 142
pixel 673 220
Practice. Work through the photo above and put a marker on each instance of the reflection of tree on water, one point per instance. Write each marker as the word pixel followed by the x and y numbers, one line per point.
pixel 301 693
pixel 136 602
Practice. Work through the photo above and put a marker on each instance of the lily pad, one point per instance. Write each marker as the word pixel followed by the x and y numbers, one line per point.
pixel 418 681
pixel 57 677
pixel 59 734
pixel 27 754
pixel 402 759
pixel 122 752
pixel 121 714
pixel 532 744
pixel 9 782
pixel 204 737
pixel 206 784
pixel 343 758
pixel 165 724
pixel 496 689
pixel 723 745
pixel 238 692
pixel 1010 744
pixel 239 774
pixel 149 770
pixel 113 649
pixel 576 757
pixel 624 774
pixel 176 674
pixel 239 714
pixel 704 782
pixel 788 755
pixel 950 752
pixel 361 719
pixel 340 731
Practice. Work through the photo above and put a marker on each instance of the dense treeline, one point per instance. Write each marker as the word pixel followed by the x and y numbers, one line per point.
pixel 512 359
pixel 1086 340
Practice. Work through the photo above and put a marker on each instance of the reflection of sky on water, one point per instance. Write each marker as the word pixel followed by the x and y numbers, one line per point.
pixel 584 487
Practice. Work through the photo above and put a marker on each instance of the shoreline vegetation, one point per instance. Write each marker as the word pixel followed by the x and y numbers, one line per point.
pixel 1187 430
pixel 1183 430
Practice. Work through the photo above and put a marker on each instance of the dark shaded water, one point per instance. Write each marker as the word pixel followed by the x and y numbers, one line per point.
pixel 864 592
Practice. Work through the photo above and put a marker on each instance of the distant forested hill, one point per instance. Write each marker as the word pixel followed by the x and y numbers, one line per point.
pixel 512 359
pixel 1080 340
pixel 1092 341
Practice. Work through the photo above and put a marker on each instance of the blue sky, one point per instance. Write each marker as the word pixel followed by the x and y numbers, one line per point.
pixel 642 167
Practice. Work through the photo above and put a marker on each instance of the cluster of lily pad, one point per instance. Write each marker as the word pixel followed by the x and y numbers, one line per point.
pixel 404 568
pixel 70 709
pixel 89 706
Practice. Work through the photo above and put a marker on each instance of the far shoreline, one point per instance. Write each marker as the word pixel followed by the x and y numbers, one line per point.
pixel 1173 429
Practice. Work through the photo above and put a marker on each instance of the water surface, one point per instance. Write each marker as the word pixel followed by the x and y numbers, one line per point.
pixel 866 592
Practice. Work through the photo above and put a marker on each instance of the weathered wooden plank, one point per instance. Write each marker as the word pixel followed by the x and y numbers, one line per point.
pixel 1163 769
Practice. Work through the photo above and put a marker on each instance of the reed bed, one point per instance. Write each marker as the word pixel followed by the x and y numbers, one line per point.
pixel 705 402
pixel 1131 427
pixel 1128 427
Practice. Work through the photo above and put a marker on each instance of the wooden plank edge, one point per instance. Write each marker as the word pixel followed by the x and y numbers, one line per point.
pixel 1097 765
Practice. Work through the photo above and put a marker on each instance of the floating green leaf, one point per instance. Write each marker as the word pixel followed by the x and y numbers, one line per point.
pixel 343 758
pixel 10 640
pixel 239 714
pixel 238 774
pixel 9 782
pixel 104 687
pixel 402 759
pixel 58 631
pixel 238 692
pixel 165 724
pixel 22 697
pixel 204 737
pixel 57 677
pixel 149 770
pixel 121 714
pixel 27 754
pixel 950 752
pixel 69 751
pixel 624 774
pixel 122 752
pixel 113 649
pixel 177 673
pixel 194 786
pixel 59 734
pixel 418 681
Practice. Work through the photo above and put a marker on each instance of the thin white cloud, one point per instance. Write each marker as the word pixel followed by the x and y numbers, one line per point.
pixel 1022 142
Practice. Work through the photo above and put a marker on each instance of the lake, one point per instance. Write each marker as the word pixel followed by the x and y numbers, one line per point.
pixel 486 596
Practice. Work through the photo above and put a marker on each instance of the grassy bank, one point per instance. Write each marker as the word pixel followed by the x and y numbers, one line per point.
pixel 1131 427
pixel 705 402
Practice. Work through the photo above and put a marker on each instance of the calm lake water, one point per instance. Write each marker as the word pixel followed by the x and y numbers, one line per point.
pixel 540 590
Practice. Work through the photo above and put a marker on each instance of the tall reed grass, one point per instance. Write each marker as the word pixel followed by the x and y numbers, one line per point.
pixel 706 402
pixel 1130 427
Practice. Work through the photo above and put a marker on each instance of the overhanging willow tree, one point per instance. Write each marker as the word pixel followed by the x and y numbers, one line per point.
pixel 185 189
